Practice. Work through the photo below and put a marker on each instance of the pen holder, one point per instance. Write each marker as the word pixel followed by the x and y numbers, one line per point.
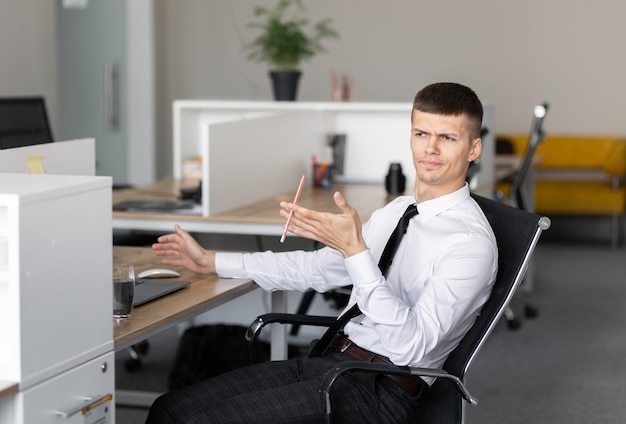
pixel 322 175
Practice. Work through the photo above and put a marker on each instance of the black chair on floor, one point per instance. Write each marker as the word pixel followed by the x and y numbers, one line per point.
pixel 24 122
pixel 517 233
pixel 519 197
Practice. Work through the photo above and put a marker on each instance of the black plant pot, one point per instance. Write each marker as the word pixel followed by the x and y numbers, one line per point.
pixel 285 84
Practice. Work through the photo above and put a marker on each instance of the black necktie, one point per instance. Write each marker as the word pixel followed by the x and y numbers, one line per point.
pixel 384 263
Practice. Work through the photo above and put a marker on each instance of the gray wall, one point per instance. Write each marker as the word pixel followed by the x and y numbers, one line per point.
pixel 514 54
pixel 28 62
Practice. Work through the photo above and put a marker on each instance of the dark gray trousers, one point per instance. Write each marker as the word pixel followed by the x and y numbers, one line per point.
pixel 285 392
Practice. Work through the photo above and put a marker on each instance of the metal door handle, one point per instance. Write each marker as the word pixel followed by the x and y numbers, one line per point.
pixel 111 118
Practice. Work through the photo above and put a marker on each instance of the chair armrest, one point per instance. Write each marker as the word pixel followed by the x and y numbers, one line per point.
pixel 380 368
pixel 314 320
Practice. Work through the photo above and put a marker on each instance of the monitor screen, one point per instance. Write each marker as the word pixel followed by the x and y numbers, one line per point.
pixel 23 122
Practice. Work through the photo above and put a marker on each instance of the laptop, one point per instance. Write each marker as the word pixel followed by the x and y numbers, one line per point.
pixel 148 289
pixel 180 207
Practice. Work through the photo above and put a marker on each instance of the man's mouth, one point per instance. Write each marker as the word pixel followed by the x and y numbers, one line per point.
pixel 430 164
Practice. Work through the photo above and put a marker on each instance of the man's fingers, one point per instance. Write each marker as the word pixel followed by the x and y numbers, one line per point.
pixel 184 234
pixel 342 203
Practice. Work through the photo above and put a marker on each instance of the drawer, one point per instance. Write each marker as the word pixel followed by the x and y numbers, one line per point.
pixel 61 399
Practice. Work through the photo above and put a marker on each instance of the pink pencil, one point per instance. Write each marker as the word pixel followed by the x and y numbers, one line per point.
pixel 295 201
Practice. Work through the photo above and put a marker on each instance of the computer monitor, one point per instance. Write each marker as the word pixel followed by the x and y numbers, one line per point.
pixel 23 122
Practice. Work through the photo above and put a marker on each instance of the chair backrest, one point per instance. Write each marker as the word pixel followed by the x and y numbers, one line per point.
pixel 23 122
pixel 517 233
pixel 517 196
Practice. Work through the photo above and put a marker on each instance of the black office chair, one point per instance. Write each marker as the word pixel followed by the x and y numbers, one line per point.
pixel 517 233
pixel 518 197
pixel 24 122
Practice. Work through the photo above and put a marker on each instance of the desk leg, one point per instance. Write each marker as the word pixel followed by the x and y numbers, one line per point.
pixel 279 332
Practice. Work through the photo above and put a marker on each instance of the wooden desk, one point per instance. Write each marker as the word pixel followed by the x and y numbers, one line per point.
pixel 203 294
pixel 262 218
pixel 259 218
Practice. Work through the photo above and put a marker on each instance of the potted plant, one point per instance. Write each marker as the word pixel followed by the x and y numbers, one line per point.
pixel 285 41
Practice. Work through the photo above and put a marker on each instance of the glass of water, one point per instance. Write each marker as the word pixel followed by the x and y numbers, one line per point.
pixel 123 290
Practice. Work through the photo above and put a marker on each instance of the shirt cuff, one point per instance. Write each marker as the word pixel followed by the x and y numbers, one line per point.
pixel 362 269
pixel 230 265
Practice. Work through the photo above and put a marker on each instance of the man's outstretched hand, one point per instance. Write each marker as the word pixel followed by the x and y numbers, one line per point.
pixel 340 231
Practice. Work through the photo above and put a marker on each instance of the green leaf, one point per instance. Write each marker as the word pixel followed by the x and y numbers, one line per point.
pixel 285 41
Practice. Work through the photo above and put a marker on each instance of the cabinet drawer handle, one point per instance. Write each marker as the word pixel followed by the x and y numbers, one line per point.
pixel 88 401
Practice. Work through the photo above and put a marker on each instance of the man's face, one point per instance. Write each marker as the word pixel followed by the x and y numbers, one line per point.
pixel 442 150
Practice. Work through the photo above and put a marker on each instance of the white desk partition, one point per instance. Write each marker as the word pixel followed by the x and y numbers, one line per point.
pixel 253 159
pixel 72 157
pixel 363 123
pixel 251 136
pixel 376 138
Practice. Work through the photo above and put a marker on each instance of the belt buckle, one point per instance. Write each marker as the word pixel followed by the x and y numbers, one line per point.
pixel 345 346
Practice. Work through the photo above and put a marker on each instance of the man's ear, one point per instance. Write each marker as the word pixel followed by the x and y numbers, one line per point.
pixel 475 150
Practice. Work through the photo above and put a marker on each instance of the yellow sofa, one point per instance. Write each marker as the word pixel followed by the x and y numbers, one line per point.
pixel 577 175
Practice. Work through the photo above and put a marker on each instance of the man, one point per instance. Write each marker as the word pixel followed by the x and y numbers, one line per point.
pixel 413 313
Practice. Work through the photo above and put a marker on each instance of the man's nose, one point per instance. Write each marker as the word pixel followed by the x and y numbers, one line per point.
pixel 431 144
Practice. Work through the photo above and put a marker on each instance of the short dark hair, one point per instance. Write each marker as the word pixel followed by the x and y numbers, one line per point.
pixel 449 98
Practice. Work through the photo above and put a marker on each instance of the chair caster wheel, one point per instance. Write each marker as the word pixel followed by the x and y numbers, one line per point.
pixel 513 324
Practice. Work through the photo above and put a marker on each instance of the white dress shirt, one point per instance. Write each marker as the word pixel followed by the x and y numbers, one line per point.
pixel 441 275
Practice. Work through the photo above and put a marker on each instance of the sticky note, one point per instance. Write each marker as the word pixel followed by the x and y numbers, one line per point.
pixel 34 165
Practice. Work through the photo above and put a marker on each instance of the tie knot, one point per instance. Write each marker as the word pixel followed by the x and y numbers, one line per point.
pixel 410 212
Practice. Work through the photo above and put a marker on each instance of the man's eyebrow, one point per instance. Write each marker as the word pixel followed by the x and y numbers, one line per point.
pixel 450 133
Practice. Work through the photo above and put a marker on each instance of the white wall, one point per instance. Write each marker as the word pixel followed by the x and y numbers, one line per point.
pixel 28 59
pixel 514 54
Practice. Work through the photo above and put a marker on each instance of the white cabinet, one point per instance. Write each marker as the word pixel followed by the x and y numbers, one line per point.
pixel 73 396
pixel 55 286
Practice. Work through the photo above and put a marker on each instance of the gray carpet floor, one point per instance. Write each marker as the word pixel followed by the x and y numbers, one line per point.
pixel 568 365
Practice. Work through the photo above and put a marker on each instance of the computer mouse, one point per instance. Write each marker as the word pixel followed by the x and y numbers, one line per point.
pixel 158 273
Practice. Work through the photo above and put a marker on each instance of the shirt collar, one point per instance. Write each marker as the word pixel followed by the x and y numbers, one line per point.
pixel 430 208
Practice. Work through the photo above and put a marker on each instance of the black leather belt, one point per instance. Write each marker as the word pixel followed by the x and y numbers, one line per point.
pixel 345 346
